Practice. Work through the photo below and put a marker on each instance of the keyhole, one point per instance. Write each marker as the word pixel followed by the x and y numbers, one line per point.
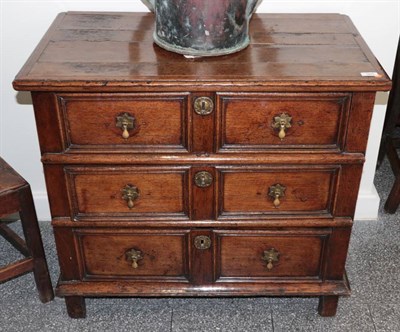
pixel 203 106
pixel 202 242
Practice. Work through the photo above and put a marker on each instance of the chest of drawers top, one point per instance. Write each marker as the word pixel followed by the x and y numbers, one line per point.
pixel 111 52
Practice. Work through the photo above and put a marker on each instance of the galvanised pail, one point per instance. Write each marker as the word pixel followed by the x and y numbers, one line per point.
pixel 202 27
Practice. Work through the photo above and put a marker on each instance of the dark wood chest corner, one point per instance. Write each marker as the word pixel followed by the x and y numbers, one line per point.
pixel 228 176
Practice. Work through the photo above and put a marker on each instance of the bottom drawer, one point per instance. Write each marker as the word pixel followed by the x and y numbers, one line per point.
pixel 133 254
pixel 202 256
pixel 270 254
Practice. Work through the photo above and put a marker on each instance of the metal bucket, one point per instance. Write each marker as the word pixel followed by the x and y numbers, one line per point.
pixel 202 27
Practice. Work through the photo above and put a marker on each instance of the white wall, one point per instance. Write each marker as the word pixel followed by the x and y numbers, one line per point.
pixel 23 23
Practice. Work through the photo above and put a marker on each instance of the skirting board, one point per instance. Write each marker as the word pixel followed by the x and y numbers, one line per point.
pixel 367 205
pixel 42 206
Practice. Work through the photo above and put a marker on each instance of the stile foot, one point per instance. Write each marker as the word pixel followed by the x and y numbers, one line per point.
pixel 328 305
pixel 76 306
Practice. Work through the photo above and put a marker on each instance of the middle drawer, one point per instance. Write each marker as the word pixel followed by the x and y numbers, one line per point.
pixel 255 192
pixel 201 193
pixel 144 192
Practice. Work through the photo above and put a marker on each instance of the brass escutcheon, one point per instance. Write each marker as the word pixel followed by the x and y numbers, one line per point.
pixel 270 256
pixel 134 255
pixel 276 192
pixel 282 122
pixel 202 242
pixel 130 193
pixel 203 179
pixel 203 105
pixel 126 122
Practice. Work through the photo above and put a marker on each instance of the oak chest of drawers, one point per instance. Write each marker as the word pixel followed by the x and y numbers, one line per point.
pixel 228 176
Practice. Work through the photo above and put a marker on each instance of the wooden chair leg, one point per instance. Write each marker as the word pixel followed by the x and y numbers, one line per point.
pixel 33 241
pixel 392 110
pixel 393 200
pixel 382 152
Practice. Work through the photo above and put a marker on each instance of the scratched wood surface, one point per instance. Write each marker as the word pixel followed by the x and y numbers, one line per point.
pixel 116 50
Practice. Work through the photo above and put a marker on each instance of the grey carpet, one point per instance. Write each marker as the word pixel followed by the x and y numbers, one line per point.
pixel 373 268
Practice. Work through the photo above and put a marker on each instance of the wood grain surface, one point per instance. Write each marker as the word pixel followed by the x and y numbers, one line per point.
pixel 115 51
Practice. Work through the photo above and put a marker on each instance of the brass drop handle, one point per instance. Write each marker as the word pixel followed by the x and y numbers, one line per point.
pixel 276 192
pixel 126 122
pixel 282 122
pixel 270 257
pixel 134 256
pixel 125 132
pixel 130 193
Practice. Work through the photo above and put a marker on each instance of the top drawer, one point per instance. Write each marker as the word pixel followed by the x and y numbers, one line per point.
pixel 138 122
pixel 257 122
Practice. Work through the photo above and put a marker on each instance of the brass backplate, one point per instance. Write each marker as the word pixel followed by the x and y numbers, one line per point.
pixel 130 193
pixel 125 120
pixel 270 256
pixel 134 256
pixel 282 121
pixel 277 190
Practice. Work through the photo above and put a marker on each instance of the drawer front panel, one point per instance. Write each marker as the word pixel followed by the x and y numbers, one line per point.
pixel 255 191
pixel 264 255
pixel 132 191
pixel 309 121
pixel 133 254
pixel 156 122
